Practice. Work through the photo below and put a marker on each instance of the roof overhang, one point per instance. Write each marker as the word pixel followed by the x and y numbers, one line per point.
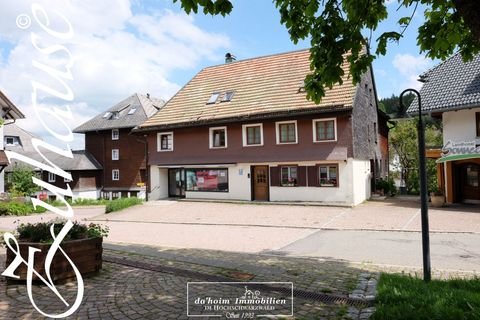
pixel 247 117
pixel 10 110
pixel 457 157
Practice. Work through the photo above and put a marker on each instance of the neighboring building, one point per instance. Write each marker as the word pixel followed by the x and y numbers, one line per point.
pixel 121 154
pixel 9 113
pixel 451 92
pixel 85 169
pixel 245 130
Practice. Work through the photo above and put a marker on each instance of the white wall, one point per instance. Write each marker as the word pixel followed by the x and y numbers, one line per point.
pixel 2 174
pixel 361 181
pixel 459 125
pixel 158 183
pixel 340 195
pixel 239 186
pixel 91 194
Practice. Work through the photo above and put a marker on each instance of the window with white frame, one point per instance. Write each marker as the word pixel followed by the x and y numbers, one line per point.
pixel 289 176
pixel 252 134
pixel 11 141
pixel 328 175
pixel 115 154
pixel 165 141
pixel 115 174
pixel 218 137
pixel 286 132
pixel 115 134
pixel 51 177
pixel 325 130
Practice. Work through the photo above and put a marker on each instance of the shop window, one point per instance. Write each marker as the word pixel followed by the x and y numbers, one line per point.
pixel 210 180
pixel 328 175
pixel 289 176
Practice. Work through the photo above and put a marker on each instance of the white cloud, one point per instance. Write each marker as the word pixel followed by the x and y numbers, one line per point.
pixel 410 67
pixel 115 53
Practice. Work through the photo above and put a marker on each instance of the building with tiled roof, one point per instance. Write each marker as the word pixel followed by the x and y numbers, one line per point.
pixel 83 167
pixel 122 155
pixel 451 92
pixel 244 130
pixel 9 113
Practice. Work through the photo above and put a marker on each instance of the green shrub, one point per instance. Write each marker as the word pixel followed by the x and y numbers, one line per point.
pixel 40 232
pixel 121 203
pixel 89 202
pixel 19 209
pixel 388 186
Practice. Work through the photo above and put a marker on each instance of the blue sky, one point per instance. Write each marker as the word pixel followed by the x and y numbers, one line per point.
pixel 126 46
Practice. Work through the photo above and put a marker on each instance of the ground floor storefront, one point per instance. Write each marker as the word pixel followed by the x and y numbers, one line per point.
pixel 346 182
pixel 460 180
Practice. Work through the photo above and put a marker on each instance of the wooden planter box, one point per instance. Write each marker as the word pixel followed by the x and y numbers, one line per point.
pixel 86 254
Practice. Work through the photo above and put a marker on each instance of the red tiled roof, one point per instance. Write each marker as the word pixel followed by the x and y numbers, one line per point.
pixel 262 85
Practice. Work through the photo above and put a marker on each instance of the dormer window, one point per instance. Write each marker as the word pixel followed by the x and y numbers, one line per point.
pixel 115 115
pixel 213 98
pixel 11 141
pixel 228 96
pixel 107 115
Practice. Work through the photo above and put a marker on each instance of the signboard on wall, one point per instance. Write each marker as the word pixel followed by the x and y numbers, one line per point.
pixel 459 150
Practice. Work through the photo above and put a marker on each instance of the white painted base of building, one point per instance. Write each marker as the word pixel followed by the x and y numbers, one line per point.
pixel 354 181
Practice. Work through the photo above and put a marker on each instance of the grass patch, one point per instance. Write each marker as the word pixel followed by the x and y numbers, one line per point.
pixel 121 203
pixel 407 297
pixel 19 209
pixel 78 202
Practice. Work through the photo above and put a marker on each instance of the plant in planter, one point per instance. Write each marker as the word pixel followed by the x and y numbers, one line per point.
pixel 437 197
pixel 83 245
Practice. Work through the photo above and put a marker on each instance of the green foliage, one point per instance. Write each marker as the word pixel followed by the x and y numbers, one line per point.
pixel 392 105
pixel 121 203
pixel 40 232
pixel 22 183
pixel 18 209
pixel 387 185
pixel 337 28
pixel 403 143
pixel 405 297
pixel 89 202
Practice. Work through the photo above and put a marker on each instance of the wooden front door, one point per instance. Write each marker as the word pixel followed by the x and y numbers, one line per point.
pixel 260 183
pixel 470 182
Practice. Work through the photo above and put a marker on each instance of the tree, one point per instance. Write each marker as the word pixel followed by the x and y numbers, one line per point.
pixel 22 182
pixel 403 142
pixel 336 30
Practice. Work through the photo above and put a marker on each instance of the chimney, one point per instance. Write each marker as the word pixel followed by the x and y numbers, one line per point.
pixel 229 58
pixel 148 95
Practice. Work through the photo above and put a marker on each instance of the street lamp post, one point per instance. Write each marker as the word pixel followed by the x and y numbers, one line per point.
pixel 427 273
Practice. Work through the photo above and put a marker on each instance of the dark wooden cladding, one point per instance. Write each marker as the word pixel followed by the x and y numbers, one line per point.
pixel 275 176
pixel 302 176
pixel 131 161
pixel 191 145
pixel 312 173
pixel 81 180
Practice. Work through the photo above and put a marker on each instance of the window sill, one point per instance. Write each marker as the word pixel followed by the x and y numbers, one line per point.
pixel 322 141
pixel 253 145
pixel 215 148
pixel 286 143
pixel 169 150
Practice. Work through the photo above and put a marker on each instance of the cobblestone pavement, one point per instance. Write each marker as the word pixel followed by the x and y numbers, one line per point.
pixel 126 292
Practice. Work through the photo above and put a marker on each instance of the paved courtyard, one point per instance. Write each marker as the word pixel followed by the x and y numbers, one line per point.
pixel 327 252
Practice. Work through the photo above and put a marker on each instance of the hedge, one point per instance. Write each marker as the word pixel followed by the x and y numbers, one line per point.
pixel 121 203
pixel 19 209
